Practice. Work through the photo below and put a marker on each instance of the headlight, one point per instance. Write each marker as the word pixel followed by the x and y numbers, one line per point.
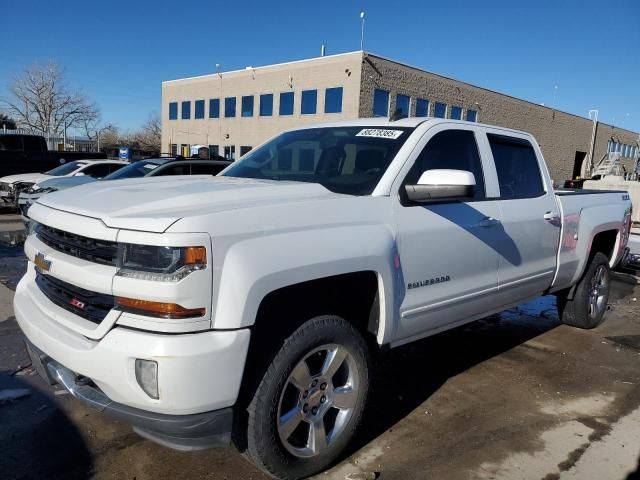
pixel 33 226
pixel 165 264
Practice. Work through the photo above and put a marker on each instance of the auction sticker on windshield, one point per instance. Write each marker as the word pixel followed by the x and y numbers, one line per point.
pixel 379 133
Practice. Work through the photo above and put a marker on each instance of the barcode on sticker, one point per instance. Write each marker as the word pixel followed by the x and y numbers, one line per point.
pixel 379 133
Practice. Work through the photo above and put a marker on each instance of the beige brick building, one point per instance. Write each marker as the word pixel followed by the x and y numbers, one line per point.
pixel 232 112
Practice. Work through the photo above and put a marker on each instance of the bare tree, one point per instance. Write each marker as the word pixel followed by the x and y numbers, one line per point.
pixel 148 137
pixel 40 99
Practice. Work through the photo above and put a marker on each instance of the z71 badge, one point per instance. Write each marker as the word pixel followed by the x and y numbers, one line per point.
pixel 42 263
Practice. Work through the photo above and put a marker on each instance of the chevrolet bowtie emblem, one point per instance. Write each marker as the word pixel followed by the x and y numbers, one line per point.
pixel 42 263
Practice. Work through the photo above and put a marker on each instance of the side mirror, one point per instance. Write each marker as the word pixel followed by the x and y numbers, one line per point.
pixel 438 185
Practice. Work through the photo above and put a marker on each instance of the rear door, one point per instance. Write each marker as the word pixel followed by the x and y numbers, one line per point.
pixel 448 250
pixel 530 219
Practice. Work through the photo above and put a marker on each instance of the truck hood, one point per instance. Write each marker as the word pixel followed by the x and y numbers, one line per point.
pixel 154 204
pixel 25 177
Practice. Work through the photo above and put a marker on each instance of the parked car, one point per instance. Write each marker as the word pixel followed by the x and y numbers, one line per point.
pixel 142 168
pixel 252 302
pixel 28 153
pixel 12 185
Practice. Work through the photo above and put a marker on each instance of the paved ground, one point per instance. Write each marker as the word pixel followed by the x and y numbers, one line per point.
pixel 516 396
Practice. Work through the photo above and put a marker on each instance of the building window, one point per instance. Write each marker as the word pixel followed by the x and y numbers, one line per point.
pixel 214 108
pixel 199 113
pixel 286 103
pixel 472 116
pixel 266 104
pixel 186 110
pixel 230 107
pixel 456 113
pixel 402 105
pixel 214 152
pixel 422 107
pixel 380 103
pixel 247 106
pixel 174 147
pixel 440 110
pixel 230 152
pixel 244 149
pixel 309 102
pixel 173 111
pixel 184 150
pixel 333 100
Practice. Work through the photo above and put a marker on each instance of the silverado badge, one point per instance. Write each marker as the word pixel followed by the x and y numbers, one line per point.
pixel 42 263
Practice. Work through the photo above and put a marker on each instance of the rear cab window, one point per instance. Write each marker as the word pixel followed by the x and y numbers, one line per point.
pixel 517 167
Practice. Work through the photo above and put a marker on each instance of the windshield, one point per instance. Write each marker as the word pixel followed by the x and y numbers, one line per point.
pixel 136 169
pixel 65 169
pixel 348 160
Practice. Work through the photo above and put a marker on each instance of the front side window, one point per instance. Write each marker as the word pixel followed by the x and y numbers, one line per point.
pixel 422 107
pixel 173 111
pixel 136 169
pixel 247 106
pixel 440 110
pixel 450 149
pixel 286 103
pixel 230 107
pixel 349 160
pixel 266 104
pixel 186 110
pixel 456 113
pixel 517 167
pixel 402 105
pixel 472 116
pixel 333 100
pixel 380 103
pixel 199 113
pixel 309 102
pixel 214 108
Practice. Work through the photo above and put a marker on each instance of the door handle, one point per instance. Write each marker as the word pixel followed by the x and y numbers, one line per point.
pixel 553 218
pixel 487 222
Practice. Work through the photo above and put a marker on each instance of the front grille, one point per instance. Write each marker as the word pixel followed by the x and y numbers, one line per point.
pixel 98 251
pixel 91 306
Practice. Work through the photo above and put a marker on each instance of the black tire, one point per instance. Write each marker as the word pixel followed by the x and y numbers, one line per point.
pixel 265 447
pixel 581 311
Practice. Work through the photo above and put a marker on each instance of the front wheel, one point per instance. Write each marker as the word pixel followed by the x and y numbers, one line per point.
pixel 310 401
pixel 590 299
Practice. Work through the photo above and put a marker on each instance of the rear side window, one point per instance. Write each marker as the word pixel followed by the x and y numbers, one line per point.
pixel 450 149
pixel 11 143
pixel 32 144
pixel 517 167
pixel 98 170
pixel 206 169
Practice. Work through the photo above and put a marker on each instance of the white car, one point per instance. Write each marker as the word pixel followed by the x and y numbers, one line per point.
pixel 253 301
pixel 12 185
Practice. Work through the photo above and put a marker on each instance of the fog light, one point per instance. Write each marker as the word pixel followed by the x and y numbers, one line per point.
pixel 147 376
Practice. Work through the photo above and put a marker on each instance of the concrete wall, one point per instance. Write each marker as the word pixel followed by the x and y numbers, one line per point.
pixel 319 73
pixel 559 134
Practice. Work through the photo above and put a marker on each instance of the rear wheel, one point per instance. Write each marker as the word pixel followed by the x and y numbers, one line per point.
pixel 589 303
pixel 310 401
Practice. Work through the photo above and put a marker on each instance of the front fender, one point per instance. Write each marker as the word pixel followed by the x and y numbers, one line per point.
pixel 255 267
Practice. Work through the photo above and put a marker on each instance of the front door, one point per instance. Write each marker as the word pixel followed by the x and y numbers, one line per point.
pixel 448 250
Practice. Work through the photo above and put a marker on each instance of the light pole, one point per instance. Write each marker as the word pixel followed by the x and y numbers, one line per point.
pixel 362 30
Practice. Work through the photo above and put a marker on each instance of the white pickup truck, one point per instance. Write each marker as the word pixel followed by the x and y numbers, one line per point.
pixel 247 306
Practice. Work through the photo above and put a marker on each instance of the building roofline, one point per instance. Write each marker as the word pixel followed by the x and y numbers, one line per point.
pixel 263 67
pixel 489 90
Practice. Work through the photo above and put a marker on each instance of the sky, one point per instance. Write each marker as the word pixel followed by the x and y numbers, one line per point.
pixel 585 53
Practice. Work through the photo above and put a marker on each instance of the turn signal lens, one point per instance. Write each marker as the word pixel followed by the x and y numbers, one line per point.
pixel 195 256
pixel 157 309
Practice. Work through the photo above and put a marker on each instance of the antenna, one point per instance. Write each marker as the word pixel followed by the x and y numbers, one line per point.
pixel 362 30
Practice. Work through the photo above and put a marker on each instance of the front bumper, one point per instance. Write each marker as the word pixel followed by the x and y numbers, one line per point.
pixel 181 432
pixel 197 372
